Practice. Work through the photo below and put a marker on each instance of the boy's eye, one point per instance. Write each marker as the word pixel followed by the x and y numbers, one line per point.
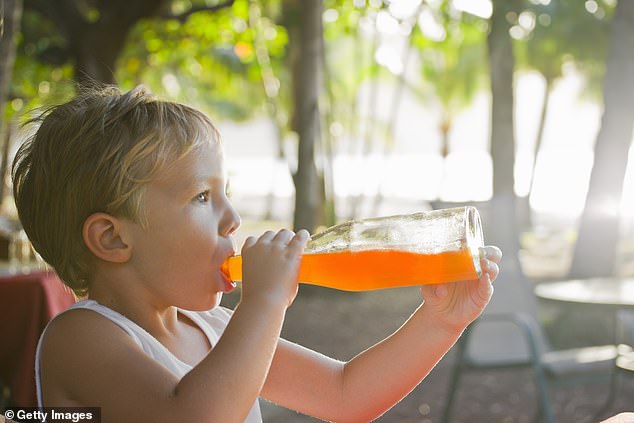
pixel 203 197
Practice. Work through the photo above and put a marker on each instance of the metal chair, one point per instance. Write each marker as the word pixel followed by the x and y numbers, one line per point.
pixel 509 335
pixel 624 363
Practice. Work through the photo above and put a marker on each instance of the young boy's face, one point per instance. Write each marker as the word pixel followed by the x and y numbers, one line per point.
pixel 188 233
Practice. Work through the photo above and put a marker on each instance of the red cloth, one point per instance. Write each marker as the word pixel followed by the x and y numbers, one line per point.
pixel 27 303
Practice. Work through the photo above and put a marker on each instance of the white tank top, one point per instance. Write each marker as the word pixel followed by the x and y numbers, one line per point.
pixel 212 323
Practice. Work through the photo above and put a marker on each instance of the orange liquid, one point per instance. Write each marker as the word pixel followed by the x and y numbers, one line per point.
pixel 375 269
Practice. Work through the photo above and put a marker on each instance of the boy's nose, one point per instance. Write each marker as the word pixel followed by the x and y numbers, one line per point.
pixel 231 221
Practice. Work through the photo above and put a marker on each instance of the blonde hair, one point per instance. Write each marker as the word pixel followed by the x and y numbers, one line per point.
pixel 95 154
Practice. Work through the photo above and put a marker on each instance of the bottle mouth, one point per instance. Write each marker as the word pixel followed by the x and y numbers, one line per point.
pixel 475 238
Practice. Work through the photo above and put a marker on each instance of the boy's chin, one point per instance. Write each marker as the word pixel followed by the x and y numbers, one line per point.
pixel 205 304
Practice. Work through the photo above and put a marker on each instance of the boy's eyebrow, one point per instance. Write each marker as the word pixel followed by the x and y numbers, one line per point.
pixel 205 179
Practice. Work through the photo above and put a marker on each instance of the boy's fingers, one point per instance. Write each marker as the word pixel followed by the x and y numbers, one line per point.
pixel 495 272
pixel 492 253
pixel 486 287
pixel 300 239
pixel 284 235
pixel 491 268
pixel 302 234
pixel 267 236
pixel 249 242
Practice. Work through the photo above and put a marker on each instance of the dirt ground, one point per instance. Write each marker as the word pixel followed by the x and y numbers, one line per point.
pixel 341 324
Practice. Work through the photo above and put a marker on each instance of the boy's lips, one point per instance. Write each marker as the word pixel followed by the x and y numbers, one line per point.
pixel 229 285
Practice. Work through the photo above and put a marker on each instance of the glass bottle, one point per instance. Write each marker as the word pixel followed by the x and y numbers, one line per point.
pixel 406 250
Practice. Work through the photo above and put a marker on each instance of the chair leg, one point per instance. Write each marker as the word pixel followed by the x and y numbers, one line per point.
pixel 545 409
pixel 454 378
pixel 609 401
pixel 453 387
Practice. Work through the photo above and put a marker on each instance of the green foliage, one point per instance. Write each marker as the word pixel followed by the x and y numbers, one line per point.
pixel 208 60
pixel 34 82
pixel 349 57
pixel 453 61
pixel 551 34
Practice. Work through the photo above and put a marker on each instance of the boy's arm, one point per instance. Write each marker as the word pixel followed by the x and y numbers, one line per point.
pixel 375 380
pixel 87 360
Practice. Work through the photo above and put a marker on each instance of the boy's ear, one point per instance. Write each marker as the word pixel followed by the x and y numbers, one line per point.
pixel 104 236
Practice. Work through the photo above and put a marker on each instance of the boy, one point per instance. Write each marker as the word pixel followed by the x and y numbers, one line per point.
pixel 124 195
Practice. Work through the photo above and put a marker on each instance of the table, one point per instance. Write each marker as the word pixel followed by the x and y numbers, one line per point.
pixel 29 299
pixel 613 294
pixel 606 294
pixel 617 293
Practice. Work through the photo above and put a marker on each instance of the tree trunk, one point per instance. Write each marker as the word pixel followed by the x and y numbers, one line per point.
pixel 595 250
pixel 540 130
pixel 525 219
pixel 95 54
pixel 500 222
pixel 305 32
pixel 11 15
pixel 329 141
pixel 369 123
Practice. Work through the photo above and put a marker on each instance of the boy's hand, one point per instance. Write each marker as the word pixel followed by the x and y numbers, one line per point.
pixel 457 304
pixel 270 265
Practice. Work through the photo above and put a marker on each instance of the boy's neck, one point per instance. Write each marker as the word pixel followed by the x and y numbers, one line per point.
pixel 157 319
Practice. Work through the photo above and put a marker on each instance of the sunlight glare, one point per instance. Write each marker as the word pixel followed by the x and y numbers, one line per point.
pixel 386 23
pixel 467 176
pixel 388 55
pixel 524 161
pixel 412 176
pixel 627 201
pixel 412 170
pixel 246 177
pixel 527 20
pixel 561 189
pixel 330 16
pixel 404 9
pixel 591 6
pixel 171 84
pixel 430 26
pixel 480 8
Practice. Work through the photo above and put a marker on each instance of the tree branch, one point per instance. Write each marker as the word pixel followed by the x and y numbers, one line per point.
pixel 183 17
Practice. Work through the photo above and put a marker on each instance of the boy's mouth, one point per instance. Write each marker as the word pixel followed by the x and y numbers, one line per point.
pixel 229 285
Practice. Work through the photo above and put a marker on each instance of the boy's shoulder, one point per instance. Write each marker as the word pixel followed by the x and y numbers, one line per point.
pixel 74 341
pixel 78 330
pixel 86 359
pixel 76 323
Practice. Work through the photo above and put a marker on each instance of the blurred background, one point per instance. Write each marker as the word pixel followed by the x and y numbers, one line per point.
pixel 332 110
